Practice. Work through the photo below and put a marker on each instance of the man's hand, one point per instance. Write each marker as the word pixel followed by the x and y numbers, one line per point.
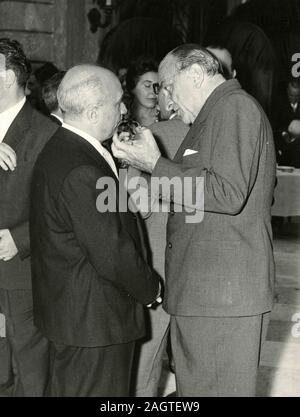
pixel 294 128
pixel 141 153
pixel 158 299
pixel 8 249
pixel 8 157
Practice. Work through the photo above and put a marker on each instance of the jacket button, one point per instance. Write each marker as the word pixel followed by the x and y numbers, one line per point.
pixel 170 245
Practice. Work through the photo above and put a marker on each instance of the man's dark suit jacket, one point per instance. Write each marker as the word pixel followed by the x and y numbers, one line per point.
pixel 27 135
pixel 55 120
pixel 223 266
pixel 89 275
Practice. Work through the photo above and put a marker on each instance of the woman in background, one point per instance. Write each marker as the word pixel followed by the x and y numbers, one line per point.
pixel 141 98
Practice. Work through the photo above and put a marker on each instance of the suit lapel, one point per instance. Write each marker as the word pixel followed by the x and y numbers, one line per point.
pixel 21 123
pixel 93 153
pixel 192 136
pixel 55 120
pixel 195 133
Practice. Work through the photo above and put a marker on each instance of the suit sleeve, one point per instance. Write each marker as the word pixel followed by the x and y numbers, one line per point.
pixel 106 244
pixel 141 180
pixel 20 235
pixel 230 171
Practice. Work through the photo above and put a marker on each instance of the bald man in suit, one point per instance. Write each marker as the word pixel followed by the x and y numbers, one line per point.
pixel 90 277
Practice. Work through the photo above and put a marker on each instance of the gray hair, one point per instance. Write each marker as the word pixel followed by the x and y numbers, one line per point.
pixel 80 88
pixel 184 56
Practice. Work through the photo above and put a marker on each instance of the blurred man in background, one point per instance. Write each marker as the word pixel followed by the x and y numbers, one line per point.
pixel 49 95
pixel 24 353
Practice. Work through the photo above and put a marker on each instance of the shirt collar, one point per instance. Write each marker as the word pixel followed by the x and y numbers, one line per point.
pixel 8 116
pixel 294 106
pixel 95 143
pixel 12 112
pixel 57 117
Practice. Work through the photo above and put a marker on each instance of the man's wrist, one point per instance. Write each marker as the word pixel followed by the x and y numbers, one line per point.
pixel 154 162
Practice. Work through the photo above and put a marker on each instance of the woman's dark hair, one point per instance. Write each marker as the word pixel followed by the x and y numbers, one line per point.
pixel 137 68
pixel 15 60
pixel 49 90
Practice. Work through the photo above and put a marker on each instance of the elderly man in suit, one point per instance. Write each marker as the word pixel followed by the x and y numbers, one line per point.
pixel 23 133
pixel 168 133
pixel 90 277
pixel 220 271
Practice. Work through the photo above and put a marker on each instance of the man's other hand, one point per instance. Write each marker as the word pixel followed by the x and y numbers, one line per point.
pixel 8 157
pixel 158 299
pixel 141 153
pixel 294 128
pixel 8 249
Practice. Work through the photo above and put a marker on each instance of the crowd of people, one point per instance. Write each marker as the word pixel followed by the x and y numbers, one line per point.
pixel 91 294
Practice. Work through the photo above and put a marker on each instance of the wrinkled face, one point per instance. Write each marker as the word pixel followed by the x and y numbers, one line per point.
pixel 165 104
pixel 113 110
pixel 183 93
pixel 143 91
pixel 293 94
pixel 181 90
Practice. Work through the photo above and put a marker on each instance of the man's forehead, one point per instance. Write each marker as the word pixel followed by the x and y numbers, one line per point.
pixel 116 92
pixel 167 70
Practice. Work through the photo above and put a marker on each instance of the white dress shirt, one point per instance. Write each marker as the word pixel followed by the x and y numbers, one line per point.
pixel 58 117
pixel 294 106
pixel 96 144
pixel 8 116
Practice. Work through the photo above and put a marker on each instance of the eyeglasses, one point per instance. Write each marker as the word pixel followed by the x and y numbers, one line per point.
pixel 156 88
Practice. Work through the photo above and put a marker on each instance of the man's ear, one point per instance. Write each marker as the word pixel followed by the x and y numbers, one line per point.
pixel 197 74
pixel 10 78
pixel 93 114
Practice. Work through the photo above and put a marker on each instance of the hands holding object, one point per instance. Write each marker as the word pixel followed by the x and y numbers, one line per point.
pixel 138 150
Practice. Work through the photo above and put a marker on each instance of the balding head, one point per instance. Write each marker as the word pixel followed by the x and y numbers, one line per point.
pixel 90 99
pixel 225 58
pixel 84 86
pixel 189 74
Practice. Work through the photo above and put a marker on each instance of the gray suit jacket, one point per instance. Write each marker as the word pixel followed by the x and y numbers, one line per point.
pixel 169 135
pixel 223 266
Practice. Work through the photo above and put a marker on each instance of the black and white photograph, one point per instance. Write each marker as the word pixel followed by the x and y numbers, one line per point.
pixel 149 201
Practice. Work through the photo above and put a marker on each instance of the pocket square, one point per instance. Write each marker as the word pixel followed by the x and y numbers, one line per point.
pixel 189 152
